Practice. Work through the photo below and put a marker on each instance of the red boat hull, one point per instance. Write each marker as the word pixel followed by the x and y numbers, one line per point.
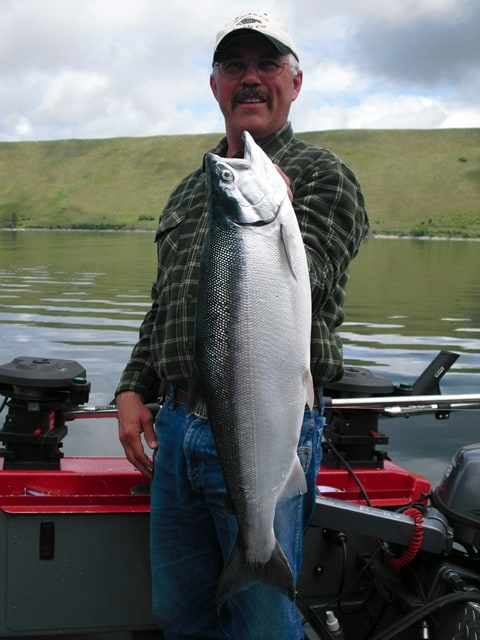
pixel 75 540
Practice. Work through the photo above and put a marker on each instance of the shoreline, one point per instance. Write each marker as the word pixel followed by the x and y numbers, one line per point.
pixel 380 236
pixel 370 236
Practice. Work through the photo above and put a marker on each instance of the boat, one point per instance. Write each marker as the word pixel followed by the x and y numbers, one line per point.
pixel 385 556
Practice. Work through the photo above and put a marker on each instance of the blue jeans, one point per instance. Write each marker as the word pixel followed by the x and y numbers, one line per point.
pixel 191 535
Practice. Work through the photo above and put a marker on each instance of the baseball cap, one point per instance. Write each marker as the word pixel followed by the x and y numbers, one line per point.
pixel 260 23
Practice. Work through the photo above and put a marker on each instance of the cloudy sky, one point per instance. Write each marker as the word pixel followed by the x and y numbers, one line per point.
pixel 108 68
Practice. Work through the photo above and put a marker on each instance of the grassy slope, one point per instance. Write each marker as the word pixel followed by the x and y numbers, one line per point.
pixel 427 181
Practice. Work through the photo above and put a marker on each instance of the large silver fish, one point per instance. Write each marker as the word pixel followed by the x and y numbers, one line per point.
pixel 252 355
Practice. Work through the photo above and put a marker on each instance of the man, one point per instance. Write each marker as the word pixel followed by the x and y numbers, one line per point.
pixel 255 78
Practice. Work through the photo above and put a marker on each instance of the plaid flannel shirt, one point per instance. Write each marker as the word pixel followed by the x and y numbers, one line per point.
pixel 330 209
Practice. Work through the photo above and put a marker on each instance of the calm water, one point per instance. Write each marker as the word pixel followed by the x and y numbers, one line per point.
pixel 82 296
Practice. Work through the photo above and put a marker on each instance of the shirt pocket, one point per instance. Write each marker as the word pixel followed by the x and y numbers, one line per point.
pixel 166 239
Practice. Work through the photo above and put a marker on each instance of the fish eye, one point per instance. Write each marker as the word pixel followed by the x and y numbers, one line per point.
pixel 226 175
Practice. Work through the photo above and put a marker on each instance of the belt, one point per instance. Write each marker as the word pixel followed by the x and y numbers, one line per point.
pixel 180 396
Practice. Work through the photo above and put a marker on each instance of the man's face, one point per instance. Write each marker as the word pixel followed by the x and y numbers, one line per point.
pixel 253 101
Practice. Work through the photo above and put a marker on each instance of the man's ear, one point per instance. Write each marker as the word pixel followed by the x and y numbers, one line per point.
pixel 297 85
pixel 213 85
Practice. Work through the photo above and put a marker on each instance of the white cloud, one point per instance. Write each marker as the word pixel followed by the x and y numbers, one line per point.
pixel 330 79
pixel 22 127
pixel 459 118
pixel 380 111
pixel 106 68
pixel 398 112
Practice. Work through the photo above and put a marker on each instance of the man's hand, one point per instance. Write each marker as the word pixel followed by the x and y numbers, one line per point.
pixel 287 181
pixel 134 419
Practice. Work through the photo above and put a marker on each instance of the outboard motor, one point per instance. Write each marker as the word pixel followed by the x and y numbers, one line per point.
pixel 458 498
pixel 38 391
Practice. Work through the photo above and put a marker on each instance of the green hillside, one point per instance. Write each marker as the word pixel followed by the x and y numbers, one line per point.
pixel 425 182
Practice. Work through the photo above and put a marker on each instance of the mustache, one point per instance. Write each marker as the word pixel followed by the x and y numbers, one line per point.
pixel 251 93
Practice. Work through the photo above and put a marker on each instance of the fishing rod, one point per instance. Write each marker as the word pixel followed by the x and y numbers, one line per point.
pixel 389 405
pixel 398 405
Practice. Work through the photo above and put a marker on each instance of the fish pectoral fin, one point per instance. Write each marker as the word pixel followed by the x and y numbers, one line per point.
pixel 289 244
pixel 295 484
pixel 239 574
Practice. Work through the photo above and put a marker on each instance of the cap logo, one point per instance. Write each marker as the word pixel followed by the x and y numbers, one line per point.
pixel 249 21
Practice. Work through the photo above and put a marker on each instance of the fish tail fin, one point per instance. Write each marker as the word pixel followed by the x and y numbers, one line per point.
pixel 240 574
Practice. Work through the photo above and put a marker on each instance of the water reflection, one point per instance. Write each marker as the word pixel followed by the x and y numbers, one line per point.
pixel 82 296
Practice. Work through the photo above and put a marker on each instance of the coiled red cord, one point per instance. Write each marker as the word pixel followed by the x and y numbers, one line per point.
pixel 415 542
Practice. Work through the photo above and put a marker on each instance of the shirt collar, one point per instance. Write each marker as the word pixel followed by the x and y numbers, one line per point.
pixel 272 144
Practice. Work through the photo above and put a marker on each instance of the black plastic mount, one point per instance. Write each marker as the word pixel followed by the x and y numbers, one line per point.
pixel 354 434
pixel 38 391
